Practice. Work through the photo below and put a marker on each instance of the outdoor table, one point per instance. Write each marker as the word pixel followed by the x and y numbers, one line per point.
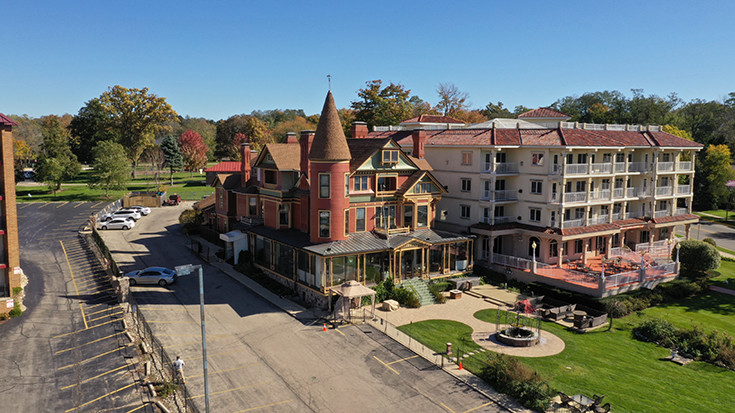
pixel 579 315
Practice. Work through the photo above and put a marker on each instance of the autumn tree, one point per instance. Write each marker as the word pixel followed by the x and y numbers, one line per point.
pixel 22 156
pixel 712 174
pixel 451 99
pixel 206 128
pixel 380 106
pixel 172 154
pixel 29 131
pixel 56 162
pixel 91 125
pixel 110 168
pixel 253 129
pixel 193 150
pixel 296 125
pixel 135 117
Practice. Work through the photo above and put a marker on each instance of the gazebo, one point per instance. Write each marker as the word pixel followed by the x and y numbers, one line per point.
pixel 348 291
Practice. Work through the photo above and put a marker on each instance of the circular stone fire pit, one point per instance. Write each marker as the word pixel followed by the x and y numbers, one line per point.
pixel 517 337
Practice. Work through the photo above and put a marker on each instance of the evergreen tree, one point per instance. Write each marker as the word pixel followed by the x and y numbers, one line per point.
pixel 172 155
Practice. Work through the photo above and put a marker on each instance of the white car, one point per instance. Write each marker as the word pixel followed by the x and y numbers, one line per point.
pixel 118 223
pixel 152 275
pixel 143 210
pixel 122 213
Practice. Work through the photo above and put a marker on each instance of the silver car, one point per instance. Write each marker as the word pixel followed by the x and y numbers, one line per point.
pixel 143 210
pixel 118 223
pixel 122 213
pixel 152 275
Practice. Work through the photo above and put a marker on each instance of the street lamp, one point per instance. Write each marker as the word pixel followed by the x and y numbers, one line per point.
pixel 186 270
pixel 533 245
pixel 677 252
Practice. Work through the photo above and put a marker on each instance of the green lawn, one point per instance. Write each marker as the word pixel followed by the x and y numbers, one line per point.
pixel 187 188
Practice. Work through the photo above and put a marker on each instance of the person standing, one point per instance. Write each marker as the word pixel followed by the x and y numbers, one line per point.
pixel 179 369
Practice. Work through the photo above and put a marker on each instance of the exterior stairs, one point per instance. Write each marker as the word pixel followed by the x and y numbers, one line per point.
pixel 422 290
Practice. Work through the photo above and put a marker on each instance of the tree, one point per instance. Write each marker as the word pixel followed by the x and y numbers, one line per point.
pixel 255 131
pixel 56 162
pixel 496 110
pixel 110 168
pixel 154 156
pixel 382 106
pixel 696 258
pixel 712 174
pixel 296 125
pixel 172 154
pixel 451 99
pixel 22 156
pixel 28 130
pixel 193 150
pixel 204 127
pixel 91 125
pixel 469 116
pixel 136 116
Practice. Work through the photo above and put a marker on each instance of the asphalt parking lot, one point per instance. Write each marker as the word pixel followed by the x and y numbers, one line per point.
pixel 262 359
pixel 67 353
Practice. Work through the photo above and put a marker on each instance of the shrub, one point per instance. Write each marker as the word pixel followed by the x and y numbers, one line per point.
pixel 709 241
pixel 656 331
pixel 406 297
pixel 16 311
pixel 696 258
pixel 16 291
pixel 437 291
pixel 508 375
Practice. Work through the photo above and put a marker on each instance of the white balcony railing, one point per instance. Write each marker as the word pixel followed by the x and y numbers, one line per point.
pixel 685 166
pixel 664 190
pixel 506 168
pixel 571 223
pixel 505 195
pixel 601 194
pixel 576 169
pixel 510 261
pixel 601 168
pixel 661 213
pixel 683 189
pixel 631 192
pixel 618 193
pixel 504 220
pixel 619 167
pixel 665 167
pixel 575 197
pixel 599 219
pixel 681 211
pixel 617 216
pixel 637 167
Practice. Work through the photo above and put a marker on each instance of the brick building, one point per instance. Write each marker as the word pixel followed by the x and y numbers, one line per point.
pixel 10 271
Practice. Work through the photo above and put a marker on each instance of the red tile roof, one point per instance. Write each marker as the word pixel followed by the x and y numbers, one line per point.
pixel 432 119
pixel 225 166
pixel 4 120
pixel 663 220
pixel 544 113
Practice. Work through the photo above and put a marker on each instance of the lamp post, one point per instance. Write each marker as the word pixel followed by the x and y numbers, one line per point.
pixel 533 256
pixel 677 252
pixel 186 270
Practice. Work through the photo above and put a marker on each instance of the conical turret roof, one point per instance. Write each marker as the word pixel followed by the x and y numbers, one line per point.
pixel 329 142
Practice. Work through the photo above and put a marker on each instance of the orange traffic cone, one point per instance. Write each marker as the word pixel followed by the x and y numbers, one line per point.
pixel 325 328
pixel 460 365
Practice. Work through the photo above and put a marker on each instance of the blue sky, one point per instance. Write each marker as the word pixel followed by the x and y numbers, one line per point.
pixel 220 58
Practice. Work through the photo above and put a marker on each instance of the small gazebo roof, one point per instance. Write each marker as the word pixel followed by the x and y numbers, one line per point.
pixel 352 289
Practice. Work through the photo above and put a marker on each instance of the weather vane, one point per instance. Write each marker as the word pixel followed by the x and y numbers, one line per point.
pixel 329 79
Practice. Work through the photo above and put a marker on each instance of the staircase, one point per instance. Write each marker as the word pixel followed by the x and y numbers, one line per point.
pixel 422 290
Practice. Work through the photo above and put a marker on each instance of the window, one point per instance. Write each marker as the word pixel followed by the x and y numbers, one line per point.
pixel 390 156
pixel 466 184
pixel 666 157
pixel 578 246
pixel 500 157
pixel 270 177
pixel 359 219
pixel 347 222
pixel 347 185
pixel 221 193
pixel 553 248
pixel 252 206
pixel 361 183
pixel 386 183
pixel 422 216
pixel 537 159
pixel 466 158
pixel 582 158
pixel 385 216
pixel 535 214
pixel 606 157
pixel 324 186
pixel 499 211
pixel 323 224
pixel 464 211
pixel 283 213
pixel 423 188
pixel 536 187
pixel 408 215
pixel 620 157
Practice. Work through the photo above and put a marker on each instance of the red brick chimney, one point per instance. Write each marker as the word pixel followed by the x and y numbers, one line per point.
pixel 307 137
pixel 359 130
pixel 244 163
pixel 291 137
pixel 419 137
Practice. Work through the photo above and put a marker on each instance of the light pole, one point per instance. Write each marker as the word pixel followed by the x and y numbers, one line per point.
pixel 533 256
pixel 186 270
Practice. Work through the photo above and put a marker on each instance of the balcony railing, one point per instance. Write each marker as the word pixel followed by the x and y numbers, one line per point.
pixel 619 167
pixel 510 261
pixel 506 168
pixel 504 220
pixel 575 197
pixel 576 169
pixel 601 168
pixel 500 195
pixel 618 216
pixel 571 223
pixel 600 219
pixel 637 167
pixel 685 166
pixel 631 192
pixel 601 194
pixel 682 211
pixel 683 189
pixel 664 190
pixel 661 213
pixel 665 167
pixel 618 193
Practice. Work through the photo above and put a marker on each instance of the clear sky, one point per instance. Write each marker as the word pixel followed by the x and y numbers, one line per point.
pixel 219 58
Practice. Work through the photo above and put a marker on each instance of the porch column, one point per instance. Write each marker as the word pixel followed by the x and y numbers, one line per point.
pixel 687 231
pixel 585 241
pixel 491 245
pixel 560 258
pixel 609 245
pixel 622 238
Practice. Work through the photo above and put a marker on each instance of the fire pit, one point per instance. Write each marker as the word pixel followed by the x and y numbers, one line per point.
pixel 517 337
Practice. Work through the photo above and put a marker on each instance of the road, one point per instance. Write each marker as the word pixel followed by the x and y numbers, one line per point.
pixel 723 235
pixel 262 359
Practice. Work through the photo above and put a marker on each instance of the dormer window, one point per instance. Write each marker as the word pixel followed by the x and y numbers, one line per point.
pixel 270 177
pixel 390 156
pixel 386 183
pixel 423 188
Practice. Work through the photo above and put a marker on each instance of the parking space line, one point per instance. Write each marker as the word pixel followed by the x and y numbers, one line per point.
pixel 25 206
pixel 263 406
pixel 101 397
pixel 138 408
pixel 93 357
pixel 478 407
pixel 404 359
pixel 94 341
pixel 101 311
pixel 337 330
pixel 84 318
pixel 62 204
pixel 79 331
pixel 98 291
pixel 446 407
pixel 79 204
pixel 389 367
pixel 45 204
pixel 107 315
pixel 94 305
pixel 101 202
pixel 95 377
pixel 231 390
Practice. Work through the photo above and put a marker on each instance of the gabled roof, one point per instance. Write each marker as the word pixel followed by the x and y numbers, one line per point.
pixel 225 166
pixel 432 119
pixel 415 178
pixel 230 182
pixel 544 113
pixel 205 203
pixel 363 149
pixel 4 120
pixel 329 142
pixel 286 156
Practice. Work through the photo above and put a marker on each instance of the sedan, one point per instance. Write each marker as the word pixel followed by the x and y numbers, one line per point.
pixel 118 223
pixel 152 275
pixel 143 210
pixel 122 213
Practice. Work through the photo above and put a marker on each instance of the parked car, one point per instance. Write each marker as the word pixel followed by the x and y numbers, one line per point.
pixel 122 213
pixel 118 223
pixel 152 275
pixel 144 210
pixel 174 199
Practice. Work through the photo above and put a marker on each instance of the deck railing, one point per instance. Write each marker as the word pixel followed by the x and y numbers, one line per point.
pixel 576 169
pixel 514 262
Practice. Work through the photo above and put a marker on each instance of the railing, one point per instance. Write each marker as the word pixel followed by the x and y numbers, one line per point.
pixel 685 166
pixel 569 275
pixel 571 223
pixel 600 219
pixel 514 262
pixel 661 213
pixel 603 194
pixel 504 220
pixel 664 190
pixel 645 245
pixel 665 167
pixel 661 270
pixel 601 168
pixel 575 197
pixel 617 216
pixel 598 126
pixel 506 168
pixel 683 189
pixel 618 193
pixel 505 195
pixel 619 167
pixel 681 211
pixel 631 192
pixel 576 169
pixel 623 278
pixel 637 167
pixel 618 252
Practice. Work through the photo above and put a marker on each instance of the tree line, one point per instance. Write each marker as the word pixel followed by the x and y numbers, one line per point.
pixel 141 122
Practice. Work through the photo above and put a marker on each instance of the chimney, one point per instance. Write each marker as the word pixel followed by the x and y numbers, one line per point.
pixel 244 163
pixel 419 137
pixel 359 130
pixel 291 137
pixel 307 137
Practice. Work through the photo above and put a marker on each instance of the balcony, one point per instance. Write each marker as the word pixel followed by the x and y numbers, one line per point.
pixel 618 193
pixel 681 211
pixel 575 197
pixel 665 167
pixel 637 167
pixel 661 213
pixel 497 220
pixel 618 216
pixel 599 219
pixel 576 169
pixel 601 168
pixel 683 189
pixel 685 166
pixel 619 167
pixel 500 196
pixel 603 194
pixel 506 168
pixel 664 191
pixel 631 192
pixel 572 223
